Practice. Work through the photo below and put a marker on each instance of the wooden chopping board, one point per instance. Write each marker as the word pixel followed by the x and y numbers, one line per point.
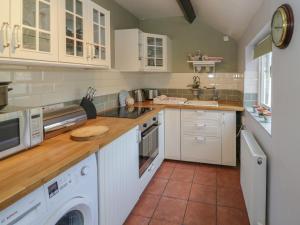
pixel 89 133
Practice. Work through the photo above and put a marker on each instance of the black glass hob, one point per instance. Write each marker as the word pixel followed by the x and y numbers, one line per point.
pixel 125 112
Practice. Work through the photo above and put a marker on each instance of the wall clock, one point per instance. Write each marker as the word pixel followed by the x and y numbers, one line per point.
pixel 282 26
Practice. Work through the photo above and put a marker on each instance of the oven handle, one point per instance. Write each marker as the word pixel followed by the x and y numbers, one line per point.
pixel 150 131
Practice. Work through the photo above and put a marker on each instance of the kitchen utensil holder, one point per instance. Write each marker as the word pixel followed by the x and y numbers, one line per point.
pixel 89 108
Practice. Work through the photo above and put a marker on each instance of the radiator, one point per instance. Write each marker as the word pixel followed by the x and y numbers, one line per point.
pixel 253 178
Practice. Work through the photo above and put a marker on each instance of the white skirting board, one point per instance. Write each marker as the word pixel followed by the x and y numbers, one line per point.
pixel 253 178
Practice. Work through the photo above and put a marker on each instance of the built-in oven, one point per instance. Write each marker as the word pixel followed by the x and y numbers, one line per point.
pixel 148 149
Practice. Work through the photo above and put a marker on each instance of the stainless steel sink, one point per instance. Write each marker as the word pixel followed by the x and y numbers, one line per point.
pixel 202 103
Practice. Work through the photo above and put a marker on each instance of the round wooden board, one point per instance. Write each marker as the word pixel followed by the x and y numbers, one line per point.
pixel 89 133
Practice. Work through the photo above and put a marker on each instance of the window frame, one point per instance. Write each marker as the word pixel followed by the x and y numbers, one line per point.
pixel 261 81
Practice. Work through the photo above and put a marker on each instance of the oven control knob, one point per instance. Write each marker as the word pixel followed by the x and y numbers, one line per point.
pixel 154 118
pixel 84 171
pixel 144 125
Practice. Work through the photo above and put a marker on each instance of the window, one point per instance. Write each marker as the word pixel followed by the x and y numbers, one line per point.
pixel 265 80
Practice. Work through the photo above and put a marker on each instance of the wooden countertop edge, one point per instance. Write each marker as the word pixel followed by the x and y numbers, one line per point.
pixel 12 190
pixel 230 106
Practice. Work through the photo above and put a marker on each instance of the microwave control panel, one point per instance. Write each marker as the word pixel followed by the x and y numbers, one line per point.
pixel 36 126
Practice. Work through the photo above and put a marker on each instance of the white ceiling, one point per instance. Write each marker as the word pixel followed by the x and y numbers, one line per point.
pixel 230 17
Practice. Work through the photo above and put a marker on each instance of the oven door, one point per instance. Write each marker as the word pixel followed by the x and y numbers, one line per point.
pixel 12 133
pixel 148 148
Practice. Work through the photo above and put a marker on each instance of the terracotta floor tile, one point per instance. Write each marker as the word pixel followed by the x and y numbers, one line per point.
pixel 231 216
pixel 205 178
pixel 183 175
pixel 162 222
pixel 164 172
pixel 230 197
pixel 137 220
pixel 228 177
pixel 177 189
pixel 207 168
pixel 170 163
pixel 146 205
pixel 204 194
pixel 156 186
pixel 200 214
pixel 186 165
pixel 171 210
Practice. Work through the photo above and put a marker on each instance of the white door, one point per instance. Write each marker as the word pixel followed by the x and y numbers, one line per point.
pixel 155 52
pixel 4 32
pixel 34 29
pixel 73 31
pixel 172 134
pixel 99 25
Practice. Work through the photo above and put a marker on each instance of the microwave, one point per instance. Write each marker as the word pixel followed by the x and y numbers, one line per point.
pixel 20 129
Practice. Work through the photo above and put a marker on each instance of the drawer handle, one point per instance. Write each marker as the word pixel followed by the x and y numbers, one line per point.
pixel 201 125
pixel 200 112
pixel 200 139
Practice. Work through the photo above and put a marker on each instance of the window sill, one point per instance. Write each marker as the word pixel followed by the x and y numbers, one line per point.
pixel 267 126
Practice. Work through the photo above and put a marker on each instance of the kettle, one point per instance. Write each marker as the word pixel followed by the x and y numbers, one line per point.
pixel 139 95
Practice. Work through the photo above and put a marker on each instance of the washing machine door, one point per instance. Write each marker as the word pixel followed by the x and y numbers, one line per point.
pixel 78 211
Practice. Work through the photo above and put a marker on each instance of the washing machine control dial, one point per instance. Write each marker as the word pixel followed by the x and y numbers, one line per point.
pixel 84 171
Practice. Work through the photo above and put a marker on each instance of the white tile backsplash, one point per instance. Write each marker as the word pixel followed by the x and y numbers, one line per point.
pixel 35 88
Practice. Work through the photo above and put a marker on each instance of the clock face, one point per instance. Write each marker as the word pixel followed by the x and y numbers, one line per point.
pixel 282 26
pixel 278 27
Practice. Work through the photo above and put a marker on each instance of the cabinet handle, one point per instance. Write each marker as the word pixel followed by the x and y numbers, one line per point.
pixel 17 29
pixel 200 125
pixel 200 139
pixel 88 50
pixel 6 38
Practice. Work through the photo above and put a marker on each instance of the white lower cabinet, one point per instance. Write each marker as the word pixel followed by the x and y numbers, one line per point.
pixel 201 136
pixel 229 138
pixel 172 134
pixel 119 184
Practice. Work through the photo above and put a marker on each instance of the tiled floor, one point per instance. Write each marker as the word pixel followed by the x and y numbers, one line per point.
pixel 191 194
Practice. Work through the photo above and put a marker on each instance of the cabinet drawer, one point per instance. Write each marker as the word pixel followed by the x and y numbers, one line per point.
pixel 208 128
pixel 195 115
pixel 201 149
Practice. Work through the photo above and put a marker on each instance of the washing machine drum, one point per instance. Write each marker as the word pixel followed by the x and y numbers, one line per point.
pixel 74 217
pixel 76 212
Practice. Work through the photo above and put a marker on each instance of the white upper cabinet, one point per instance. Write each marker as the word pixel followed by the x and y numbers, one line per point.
pixel 4 32
pixel 155 52
pixel 139 51
pixel 99 40
pixel 33 29
pixel 73 46
pixel 55 32
pixel 84 33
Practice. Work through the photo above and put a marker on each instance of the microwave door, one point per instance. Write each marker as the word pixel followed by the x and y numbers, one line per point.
pixel 12 134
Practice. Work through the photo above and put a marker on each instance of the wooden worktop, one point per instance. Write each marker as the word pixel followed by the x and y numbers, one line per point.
pixel 22 173
pixel 223 106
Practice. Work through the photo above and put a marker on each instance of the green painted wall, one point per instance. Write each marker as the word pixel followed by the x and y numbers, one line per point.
pixel 187 38
pixel 120 18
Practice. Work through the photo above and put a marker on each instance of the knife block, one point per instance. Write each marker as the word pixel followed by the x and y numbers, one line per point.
pixel 89 108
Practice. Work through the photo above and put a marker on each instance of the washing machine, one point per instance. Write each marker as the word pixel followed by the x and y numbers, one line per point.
pixel 69 199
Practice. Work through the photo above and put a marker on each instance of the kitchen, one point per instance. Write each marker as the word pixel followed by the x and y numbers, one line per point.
pixel 139 112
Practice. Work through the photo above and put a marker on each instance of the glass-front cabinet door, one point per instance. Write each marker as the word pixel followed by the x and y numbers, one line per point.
pixel 34 29
pixel 99 24
pixel 155 49
pixel 4 29
pixel 73 47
